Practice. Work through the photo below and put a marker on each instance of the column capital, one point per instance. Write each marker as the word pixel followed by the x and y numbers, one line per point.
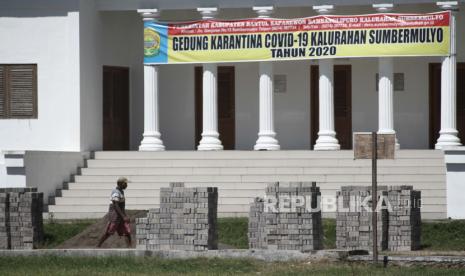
pixel 323 9
pixel 449 5
pixel 149 14
pixel 386 7
pixel 263 11
pixel 208 12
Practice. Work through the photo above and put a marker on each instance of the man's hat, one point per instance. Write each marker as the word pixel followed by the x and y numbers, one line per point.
pixel 122 180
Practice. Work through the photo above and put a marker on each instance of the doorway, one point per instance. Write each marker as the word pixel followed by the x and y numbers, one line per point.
pixel 115 108
pixel 342 104
pixel 226 105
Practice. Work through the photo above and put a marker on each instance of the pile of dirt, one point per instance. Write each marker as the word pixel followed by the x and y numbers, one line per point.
pixel 91 235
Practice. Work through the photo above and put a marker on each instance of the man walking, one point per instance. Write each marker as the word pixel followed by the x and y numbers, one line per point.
pixel 119 221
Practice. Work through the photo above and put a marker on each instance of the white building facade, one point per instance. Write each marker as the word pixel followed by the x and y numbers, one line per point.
pixel 94 93
pixel 71 42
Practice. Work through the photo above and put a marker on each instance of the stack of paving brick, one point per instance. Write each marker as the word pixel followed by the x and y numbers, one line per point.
pixel 354 222
pixel 257 222
pixel 404 219
pixel 398 222
pixel 186 220
pixel 287 227
pixel 4 221
pixel 21 222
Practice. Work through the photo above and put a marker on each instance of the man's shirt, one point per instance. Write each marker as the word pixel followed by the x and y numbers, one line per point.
pixel 117 195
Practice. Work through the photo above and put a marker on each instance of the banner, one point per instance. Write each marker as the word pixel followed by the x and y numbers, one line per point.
pixel 324 36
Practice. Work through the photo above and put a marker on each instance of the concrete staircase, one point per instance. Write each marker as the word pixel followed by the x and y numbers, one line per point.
pixel 241 176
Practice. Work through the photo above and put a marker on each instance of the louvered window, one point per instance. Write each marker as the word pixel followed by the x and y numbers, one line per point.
pixel 18 91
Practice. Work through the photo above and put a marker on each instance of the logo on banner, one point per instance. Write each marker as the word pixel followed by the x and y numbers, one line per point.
pixel 151 42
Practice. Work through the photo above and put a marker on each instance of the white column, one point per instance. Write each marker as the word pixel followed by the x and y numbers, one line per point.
pixel 151 140
pixel 386 87
pixel 266 134
pixel 448 134
pixel 210 136
pixel 326 134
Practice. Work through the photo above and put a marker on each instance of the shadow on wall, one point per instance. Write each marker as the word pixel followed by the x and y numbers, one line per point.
pixel 49 170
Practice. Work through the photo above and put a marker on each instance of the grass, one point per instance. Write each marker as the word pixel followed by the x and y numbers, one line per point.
pixel 436 236
pixel 154 266
pixel 443 235
pixel 233 232
pixel 440 235
pixel 329 233
pixel 56 233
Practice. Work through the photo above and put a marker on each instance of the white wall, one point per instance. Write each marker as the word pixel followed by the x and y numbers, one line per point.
pixel 3 173
pixel 246 105
pixel 109 39
pixel 455 162
pixel 90 77
pixel 122 38
pixel 177 105
pixel 12 173
pixel 49 39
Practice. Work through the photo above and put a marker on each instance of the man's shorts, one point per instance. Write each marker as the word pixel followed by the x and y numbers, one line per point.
pixel 123 228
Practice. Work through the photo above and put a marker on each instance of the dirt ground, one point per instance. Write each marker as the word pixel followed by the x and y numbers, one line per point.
pixel 90 236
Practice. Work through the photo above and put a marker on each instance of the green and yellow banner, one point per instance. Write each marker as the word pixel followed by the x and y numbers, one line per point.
pixel 323 36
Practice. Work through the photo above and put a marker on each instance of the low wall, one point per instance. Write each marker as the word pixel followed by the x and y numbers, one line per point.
pixel 47 170
pixel 455 164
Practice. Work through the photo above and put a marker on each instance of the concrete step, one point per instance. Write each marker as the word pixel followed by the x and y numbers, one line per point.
pixel 223 208
pixel 239 185
pixel 222 200
pixel 244 155
pixel 233 208
pixel 154 199
pixel 264 171
pixel 242 175
pixel 98 215
pixel 222 192
pixel 258 163
pixel 352 178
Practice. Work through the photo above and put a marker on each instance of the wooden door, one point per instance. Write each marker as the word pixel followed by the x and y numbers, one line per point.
pixel 435 102
pixel 342 104
pixel 226 106
pixel 115 108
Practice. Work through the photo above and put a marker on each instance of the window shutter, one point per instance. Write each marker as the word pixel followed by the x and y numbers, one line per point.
pixel 2 92
pixel 22 79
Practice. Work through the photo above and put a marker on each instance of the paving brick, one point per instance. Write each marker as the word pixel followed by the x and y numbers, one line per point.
pixel 186 220
pixel 21 223
pixel 404 232
pixel 297 229
pixel 399 221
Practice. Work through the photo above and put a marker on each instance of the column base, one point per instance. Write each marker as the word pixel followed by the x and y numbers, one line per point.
pixel 448 139
pixel 210 141
pixel 152 142
pixel 327 141
pixel 267 142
